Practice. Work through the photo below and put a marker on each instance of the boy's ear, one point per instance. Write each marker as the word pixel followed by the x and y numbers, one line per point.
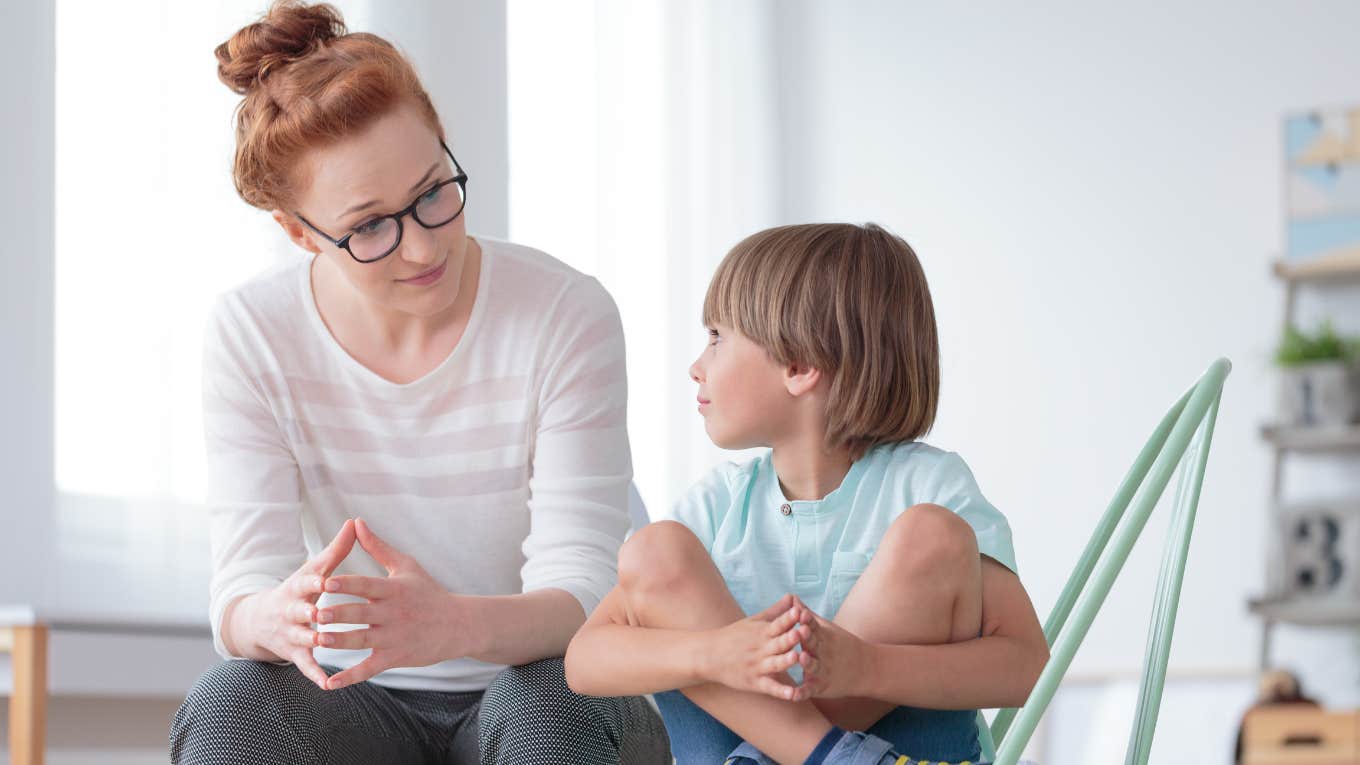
pixel 295 231
pixel 800 379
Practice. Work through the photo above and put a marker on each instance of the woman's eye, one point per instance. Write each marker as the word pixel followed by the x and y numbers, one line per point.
pixel 367 228
pixel 432 194
pixel 713 337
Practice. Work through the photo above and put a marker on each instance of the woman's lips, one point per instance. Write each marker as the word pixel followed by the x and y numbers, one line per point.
pixel 429 277
pixel 703 402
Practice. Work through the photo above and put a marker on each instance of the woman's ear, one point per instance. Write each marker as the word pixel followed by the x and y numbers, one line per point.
pixel 800 379
pixel 295 231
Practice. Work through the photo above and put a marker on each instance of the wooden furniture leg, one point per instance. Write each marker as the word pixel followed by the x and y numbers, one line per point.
pixel 27 647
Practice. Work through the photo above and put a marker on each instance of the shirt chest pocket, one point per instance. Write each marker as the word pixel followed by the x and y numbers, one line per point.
pixel 847 567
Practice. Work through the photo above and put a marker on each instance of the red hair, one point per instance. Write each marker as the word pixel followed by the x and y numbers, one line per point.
pixel 307 84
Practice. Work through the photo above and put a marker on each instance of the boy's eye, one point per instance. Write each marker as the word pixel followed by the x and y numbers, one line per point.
pixel 713 337
pixel 431 195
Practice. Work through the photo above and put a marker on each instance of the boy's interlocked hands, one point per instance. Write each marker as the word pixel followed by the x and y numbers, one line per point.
pixel 755 653
pixel 835 660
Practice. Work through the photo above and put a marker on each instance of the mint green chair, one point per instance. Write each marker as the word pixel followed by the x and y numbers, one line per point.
pixel 1181 440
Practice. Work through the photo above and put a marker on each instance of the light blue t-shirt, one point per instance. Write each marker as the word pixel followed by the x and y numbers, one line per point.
pixel 766 545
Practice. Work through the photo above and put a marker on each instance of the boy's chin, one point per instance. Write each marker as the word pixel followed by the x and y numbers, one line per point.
pixel 729 441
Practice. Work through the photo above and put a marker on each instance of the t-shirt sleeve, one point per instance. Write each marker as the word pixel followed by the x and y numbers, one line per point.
pixel 253 494
pixel 952 485
pixel 702 506
pixel 578 504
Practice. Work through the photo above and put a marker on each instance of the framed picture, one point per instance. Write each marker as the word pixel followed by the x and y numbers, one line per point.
pixel 1322 193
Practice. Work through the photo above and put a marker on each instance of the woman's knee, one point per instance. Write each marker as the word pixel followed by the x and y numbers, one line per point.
pixel 234 704
pixel 659 555
pixel 929 539
pixel 528 714
pixel 532 699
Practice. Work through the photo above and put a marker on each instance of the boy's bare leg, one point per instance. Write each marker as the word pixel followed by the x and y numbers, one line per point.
pixel 669 582
pixel 923 587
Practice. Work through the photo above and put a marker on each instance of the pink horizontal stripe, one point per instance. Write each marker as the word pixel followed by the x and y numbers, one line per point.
pixel 424 445
pixel 345 397
pixel 428 487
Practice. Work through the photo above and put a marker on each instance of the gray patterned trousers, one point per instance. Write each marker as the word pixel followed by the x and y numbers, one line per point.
pixel 252 712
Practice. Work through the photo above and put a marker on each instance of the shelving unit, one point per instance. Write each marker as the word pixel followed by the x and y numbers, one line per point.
pixel 1320 610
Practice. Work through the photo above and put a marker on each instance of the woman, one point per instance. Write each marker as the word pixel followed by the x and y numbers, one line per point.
pixel 414 436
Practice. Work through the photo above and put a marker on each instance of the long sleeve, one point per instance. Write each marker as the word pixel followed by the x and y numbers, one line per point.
pixel 253 494
pixel 581 466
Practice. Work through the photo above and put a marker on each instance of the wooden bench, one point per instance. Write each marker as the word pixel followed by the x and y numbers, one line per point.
pixel 91 654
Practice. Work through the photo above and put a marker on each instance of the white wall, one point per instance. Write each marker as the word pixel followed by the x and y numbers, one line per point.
pixel 459 50
pixel 26 295
pixel 1095 194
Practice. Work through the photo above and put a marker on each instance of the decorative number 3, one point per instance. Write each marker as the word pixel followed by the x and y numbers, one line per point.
pixel 1320 566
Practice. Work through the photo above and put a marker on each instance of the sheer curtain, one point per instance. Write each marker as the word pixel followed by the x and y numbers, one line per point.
pixel 150 230
pixel 643 145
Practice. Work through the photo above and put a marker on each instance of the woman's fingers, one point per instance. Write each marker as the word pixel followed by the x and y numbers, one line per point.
pixel 305 585
pixel 369 587
pixel 301 636
pixel 385 554
pixel 328 559
pixel 348 613
pixel 350 639
pixel 355 674
pixel 307 665
pixel 301 612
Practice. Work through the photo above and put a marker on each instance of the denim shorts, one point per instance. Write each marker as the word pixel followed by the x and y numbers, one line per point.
pixel 697 738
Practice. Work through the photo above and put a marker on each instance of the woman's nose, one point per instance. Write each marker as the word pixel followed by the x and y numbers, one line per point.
pixel 418 244
pixel 695 373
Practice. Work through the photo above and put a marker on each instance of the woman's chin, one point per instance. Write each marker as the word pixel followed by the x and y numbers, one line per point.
pixel 432 302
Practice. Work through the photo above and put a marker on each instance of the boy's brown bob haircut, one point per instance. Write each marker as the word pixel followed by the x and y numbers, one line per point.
pixel 851 301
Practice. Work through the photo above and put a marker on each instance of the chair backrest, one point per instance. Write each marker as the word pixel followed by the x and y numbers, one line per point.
pixel 1182 439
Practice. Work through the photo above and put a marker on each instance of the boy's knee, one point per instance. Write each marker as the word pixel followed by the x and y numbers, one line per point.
pixel 931 538
pixel 659 554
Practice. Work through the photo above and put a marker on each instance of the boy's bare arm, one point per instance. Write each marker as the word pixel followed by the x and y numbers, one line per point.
pixel 998 669
pixel 611 655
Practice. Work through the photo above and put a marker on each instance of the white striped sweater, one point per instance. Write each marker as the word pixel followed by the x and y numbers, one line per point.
pixel 504 470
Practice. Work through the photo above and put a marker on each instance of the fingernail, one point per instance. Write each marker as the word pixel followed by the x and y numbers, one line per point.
pixel 332 585
pixel 323 617
pixel 316 583
pixel 327 638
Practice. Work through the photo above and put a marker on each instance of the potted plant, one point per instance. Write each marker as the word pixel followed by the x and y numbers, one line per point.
pixel 1317 382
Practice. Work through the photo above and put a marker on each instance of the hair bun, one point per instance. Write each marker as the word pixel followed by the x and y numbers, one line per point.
pixel 288 31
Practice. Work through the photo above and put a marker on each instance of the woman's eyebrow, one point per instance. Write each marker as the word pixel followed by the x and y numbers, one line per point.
pixel 423 179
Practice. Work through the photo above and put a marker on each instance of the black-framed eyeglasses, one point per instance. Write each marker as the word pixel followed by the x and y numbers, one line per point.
pixel 377 238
